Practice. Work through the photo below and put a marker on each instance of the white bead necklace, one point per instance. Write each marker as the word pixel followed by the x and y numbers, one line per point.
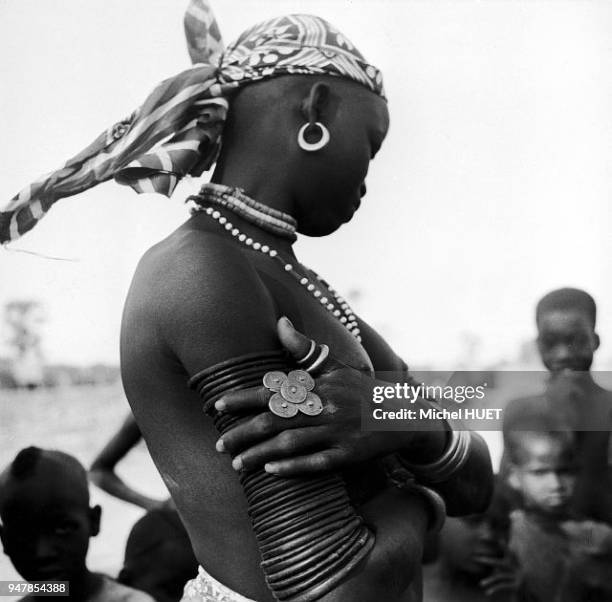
pixel 339 308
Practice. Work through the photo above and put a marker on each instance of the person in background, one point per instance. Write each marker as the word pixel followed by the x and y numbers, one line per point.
pixel 472 563
pixel 567 341
pixel 102 471
pixel 158 555
pixel 548 540
pixel 47 523
pixel 159 558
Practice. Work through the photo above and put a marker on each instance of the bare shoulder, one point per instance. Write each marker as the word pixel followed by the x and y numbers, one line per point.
pixel 198 295
pixel 193 259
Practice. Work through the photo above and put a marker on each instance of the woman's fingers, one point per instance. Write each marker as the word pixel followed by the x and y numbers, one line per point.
pixel 296 343
pixel 286 444
pixel 299 346
pixel 248 433
pixel 316 463
pixel 259 428
pixel 247 400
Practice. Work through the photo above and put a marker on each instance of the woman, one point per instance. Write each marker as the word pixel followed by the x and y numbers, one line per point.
pixel 217 301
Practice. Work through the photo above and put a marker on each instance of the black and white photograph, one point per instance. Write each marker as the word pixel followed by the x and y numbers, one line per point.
pixel 306 300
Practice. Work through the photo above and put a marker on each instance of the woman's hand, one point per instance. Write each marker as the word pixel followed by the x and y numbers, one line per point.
pixel 308 444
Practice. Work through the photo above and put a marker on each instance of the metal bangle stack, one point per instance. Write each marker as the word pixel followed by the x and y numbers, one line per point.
pixel 309 535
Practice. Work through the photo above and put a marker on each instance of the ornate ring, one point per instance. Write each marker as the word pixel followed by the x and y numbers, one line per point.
pixel 292 393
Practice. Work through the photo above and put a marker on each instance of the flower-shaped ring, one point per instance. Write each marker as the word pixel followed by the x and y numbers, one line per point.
pixel 292 393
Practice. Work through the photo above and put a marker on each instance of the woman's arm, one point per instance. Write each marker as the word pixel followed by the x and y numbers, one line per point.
pixel 102 471
pixel 336 438
pixel 469 489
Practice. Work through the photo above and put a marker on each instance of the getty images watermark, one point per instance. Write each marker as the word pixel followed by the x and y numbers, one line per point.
pixel 411 393
pixel 480 399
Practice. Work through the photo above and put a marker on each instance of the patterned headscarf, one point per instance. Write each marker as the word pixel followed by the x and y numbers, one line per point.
pixel 177 131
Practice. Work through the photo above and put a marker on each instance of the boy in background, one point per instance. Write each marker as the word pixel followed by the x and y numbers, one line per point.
pixel 546 536
pixel 158 555
pixel 47 522
pixel 567 342
pixel 472 565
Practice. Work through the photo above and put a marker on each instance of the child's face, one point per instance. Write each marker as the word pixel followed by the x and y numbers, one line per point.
pixel 566 340
pixel 465 541
pixel 46 531
pixel 546 475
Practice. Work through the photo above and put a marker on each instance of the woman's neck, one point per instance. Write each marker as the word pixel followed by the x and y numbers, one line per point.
pixel 269 187
pixel 284 246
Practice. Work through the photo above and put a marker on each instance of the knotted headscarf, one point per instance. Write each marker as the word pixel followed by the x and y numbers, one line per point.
pixel 177 131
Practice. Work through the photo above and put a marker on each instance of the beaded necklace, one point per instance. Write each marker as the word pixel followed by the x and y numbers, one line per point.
pixel 339 308
pixel 228 197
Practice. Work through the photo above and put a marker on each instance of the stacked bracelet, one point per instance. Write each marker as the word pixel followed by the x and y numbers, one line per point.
pixel 449 463
pixel 402 478
pixel 310 537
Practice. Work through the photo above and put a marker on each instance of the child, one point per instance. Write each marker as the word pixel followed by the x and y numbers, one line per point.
pixel 47 523
pixel 567 341
pixel 544 533
pixel 158 555
pixel 471 558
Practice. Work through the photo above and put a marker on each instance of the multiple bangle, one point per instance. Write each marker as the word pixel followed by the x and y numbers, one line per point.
pixel 448 464
pixel 309 535
pixel 402 478
pixel 320 505
pixel 237 373
pixel 414 478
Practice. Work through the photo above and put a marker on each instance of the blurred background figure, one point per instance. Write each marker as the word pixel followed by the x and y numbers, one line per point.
pixel 23 319
pixel 472 564
pixel 158 557
pixel 567 342
pixel 561 557
pixel 543 472
pixel 47 523
pixel 102 472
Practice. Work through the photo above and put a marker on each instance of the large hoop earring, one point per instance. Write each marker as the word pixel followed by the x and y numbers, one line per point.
pixel 311 147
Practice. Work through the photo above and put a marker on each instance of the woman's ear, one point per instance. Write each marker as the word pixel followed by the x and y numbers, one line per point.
pixel 316 102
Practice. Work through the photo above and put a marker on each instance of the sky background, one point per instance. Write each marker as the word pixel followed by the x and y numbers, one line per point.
pixel 492 188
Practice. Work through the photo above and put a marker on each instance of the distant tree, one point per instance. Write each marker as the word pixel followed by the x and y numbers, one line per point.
pixel 471 344
pixel 24 318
